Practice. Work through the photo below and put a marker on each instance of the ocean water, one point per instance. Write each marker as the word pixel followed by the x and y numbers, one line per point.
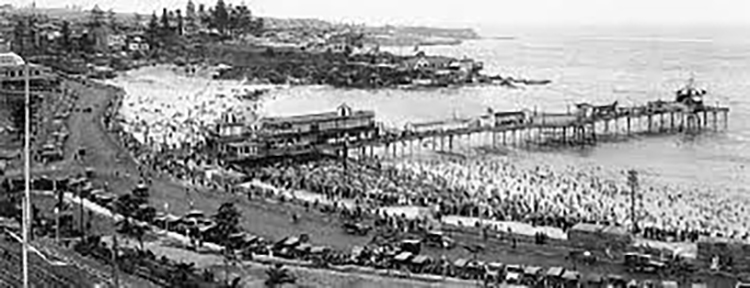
pixel 597 65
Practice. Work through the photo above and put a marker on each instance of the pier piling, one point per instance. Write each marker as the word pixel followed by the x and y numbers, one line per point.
pixel 671 116
pixel 575 132
pixel 627 119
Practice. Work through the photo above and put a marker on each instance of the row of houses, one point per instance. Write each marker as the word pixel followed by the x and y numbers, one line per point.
pixel 25 35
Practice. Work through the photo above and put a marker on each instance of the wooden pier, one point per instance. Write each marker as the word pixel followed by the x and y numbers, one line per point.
pixel 621 124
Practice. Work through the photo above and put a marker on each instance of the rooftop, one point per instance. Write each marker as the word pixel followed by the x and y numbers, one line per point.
pixel 316 117
pixel 440 122
pixel 10 59
pixel 512 113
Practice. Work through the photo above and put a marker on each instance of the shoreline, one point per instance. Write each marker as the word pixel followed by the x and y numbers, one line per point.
pixel 267 105
pixel 134 157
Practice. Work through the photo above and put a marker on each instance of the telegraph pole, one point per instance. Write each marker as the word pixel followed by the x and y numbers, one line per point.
pixel 633 183
pixel 59 196
pixel 27 177
pixel 345 158
pixel 116 275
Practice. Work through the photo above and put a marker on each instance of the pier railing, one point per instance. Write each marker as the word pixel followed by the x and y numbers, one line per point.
pixel 544 129
pixel 538 130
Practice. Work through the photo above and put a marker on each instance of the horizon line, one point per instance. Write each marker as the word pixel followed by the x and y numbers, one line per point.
pixel 552 25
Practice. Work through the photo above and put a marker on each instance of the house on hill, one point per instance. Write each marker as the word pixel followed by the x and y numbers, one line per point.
pixel 116 42
pixel 421 62
pixel 49 31
pixel 137 43
pixel 99 37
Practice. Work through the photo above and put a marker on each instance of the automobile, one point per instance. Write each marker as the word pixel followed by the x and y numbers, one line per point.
pixel 356 228
pixel 585 257
pixel 513 273
pixel 638 262
pixel 411 245
pixel 439 239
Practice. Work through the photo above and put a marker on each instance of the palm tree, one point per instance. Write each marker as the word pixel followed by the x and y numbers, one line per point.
pixel 278 275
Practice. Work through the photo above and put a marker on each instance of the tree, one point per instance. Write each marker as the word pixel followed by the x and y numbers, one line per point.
pixel 20 32
pixel 179 22
pixel 182 274
pixel 96 18
pixel 220 17
pixel 65 36
pixel 130 229
pixel 165 28
pixel 257 26
pixel 146 215
pixel 152 31
pixel 227 220
pixel 201 17
pixel 240 20
pixel 190 9
pixel 229 259
pixel 190 17
pixel 137 19
pixel 127 205
pixel 112 20
pixel 278 275
pixel 9 209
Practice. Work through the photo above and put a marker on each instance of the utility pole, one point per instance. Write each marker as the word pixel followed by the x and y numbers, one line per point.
pixel 57 210
pixel 80 212
pixel 115 273
pixel 27 177
pixel 57 225
pixel 633 183
pixel 345 156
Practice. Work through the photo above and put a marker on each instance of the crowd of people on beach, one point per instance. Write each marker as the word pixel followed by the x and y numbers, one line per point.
pixel 575 195
pixel 497 189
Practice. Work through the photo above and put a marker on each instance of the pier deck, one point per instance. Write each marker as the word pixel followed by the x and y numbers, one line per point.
pixel 582 131
pixel 538 130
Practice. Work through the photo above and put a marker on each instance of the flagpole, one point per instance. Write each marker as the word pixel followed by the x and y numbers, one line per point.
pixel 27 178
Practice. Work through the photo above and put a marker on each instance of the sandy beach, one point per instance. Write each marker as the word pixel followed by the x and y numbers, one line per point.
pixel 165 106
pixel 594 193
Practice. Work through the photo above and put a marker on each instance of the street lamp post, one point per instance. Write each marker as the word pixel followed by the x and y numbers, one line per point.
pixel 27 177
pixel 633 183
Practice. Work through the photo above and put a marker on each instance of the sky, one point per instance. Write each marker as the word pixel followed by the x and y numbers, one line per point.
pixel 464 12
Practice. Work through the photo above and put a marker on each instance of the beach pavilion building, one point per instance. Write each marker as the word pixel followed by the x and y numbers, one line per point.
pixel 236 140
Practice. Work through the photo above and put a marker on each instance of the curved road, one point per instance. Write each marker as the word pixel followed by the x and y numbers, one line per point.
pixel 115 168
